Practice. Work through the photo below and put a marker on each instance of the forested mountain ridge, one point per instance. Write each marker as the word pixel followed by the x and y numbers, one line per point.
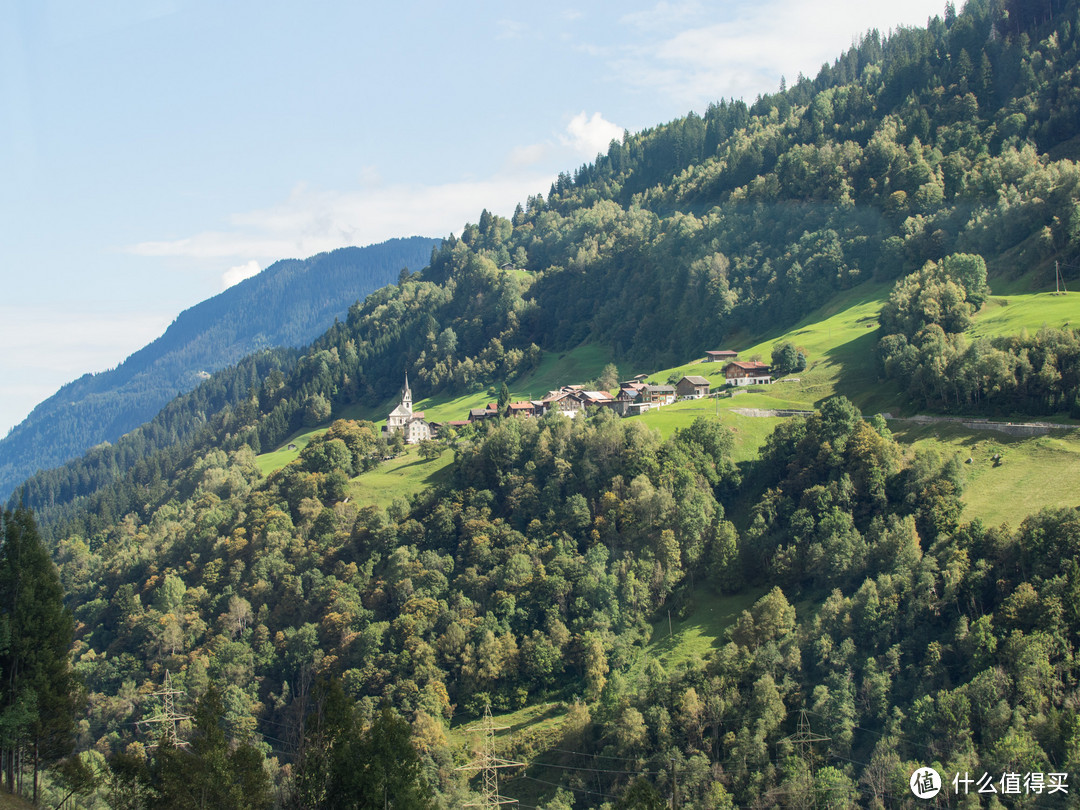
pixel 907 149
pixel 910 635
pixel 288 304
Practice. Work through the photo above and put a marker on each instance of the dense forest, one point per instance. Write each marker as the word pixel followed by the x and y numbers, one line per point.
pixel 286 305
pixel 534 573
pixel 326 652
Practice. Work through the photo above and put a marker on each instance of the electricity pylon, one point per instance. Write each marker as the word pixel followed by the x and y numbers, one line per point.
pixel 489 764
pixel 168 714
pixel 804 740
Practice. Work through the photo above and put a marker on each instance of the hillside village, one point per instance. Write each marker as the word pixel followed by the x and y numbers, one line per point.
pixel 635 397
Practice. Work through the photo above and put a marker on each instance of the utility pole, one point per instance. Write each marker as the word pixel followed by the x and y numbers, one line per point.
pixel 489 764
pixel 804 739
pixel 168 714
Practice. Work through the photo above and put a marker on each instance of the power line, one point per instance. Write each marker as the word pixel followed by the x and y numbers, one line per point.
pixel 489 764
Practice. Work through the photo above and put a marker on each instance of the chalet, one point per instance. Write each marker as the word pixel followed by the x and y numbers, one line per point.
pixel 692 387
pixel 520 409
pixel 626 397
pixel 477 414
pixel 658 394
pixel 411 424
pixel 565 402
pixel 747 373
pixel 597 399
pixel 720 356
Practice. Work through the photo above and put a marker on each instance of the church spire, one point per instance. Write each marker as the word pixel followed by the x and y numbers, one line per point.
pixel 406 394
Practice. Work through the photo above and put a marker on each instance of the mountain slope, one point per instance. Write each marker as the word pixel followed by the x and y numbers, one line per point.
pixel 738 222
pixel 288 304
pixel 541 564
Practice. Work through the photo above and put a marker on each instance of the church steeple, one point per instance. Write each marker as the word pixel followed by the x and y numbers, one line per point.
pixel 406 394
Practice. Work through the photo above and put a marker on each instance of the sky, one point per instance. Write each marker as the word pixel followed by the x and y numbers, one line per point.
pixel 155 152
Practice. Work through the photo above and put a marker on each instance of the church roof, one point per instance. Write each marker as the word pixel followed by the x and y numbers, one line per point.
pixel 401 410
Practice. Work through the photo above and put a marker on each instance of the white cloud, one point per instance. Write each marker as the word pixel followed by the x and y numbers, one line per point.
pixel 662 14
pixel 311 220
pixel 234 275
pixel 591 136
pixel 524 156
pixel 509 29
pixel 747 53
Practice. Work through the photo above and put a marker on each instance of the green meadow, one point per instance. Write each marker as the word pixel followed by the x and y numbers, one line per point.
pixel 1033 472
pixel 401 477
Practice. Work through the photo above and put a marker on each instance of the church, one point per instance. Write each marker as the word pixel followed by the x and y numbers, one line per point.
pixel 402 418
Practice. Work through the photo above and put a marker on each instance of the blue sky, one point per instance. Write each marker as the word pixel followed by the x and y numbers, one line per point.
pixel 155 151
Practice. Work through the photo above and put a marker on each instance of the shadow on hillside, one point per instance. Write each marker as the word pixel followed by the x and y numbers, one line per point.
pixel 857 375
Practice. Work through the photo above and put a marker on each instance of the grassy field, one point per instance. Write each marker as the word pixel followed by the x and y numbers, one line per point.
pixel 276 459
pixel 707 618
pixel 401 477
pixel 1035 472
pixel 837 341
pixel 1008 315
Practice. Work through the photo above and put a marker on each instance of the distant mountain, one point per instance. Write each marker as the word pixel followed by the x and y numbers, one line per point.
pixel 287 304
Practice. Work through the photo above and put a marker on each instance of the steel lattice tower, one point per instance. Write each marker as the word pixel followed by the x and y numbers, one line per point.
pixel 488 763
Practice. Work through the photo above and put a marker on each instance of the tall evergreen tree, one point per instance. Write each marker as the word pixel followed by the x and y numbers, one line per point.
pixel 37 686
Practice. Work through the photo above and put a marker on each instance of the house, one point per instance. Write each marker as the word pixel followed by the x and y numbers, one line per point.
pixel 565 402
pixel 597 399
pixel 520 409
pixel 657 395
pixel 747 373
pixel 476 414
pixel 626 397
pixel 720 356
pixel 692 387
pixel 411 424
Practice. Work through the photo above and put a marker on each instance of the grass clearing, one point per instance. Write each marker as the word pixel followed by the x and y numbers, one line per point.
pixel 1035 472
pixel 707 619
pixel 401 477
pixel 838 341
pixel 1009 314
pixel 276 459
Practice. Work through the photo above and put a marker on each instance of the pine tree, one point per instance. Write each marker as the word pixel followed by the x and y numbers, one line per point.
pixel 37 686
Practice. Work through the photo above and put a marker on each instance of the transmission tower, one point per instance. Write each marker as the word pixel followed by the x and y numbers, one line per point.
pixel 489 764
pixel 803 739
pixel 168 715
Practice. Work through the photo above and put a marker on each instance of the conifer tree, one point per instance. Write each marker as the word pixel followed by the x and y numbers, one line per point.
pixel 37 686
